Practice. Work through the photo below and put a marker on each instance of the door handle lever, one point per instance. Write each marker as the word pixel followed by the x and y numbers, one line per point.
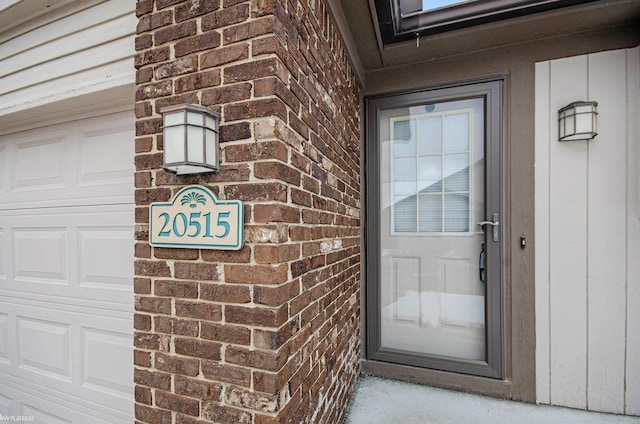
pixel 494 224
pixel 481 265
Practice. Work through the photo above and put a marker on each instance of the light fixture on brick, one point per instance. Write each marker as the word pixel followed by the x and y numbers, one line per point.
pixel 191 139
pixel 577 121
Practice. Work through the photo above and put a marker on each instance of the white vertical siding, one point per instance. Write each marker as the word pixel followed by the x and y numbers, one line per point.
pixel 79 48
pixel 632 371
pixel 587 237
pixel 606 284
pixel 542 178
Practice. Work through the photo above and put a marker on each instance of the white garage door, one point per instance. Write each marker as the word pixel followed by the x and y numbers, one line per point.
pixel 66 271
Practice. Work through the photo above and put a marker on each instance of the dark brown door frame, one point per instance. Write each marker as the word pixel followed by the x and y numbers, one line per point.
pixel 491 91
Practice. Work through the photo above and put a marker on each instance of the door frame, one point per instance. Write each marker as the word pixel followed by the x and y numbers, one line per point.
pixel 491 90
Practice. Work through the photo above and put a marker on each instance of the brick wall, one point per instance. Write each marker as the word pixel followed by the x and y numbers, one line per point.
pixel 269 333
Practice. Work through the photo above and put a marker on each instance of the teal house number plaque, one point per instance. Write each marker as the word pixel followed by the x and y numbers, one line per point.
pixel 195 218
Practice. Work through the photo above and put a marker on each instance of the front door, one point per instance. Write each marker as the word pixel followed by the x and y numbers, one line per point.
pixel 434 229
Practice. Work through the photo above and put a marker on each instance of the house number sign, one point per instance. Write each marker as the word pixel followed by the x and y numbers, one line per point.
pixel 195 218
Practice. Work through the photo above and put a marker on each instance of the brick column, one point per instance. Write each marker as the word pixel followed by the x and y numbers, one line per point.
pixel 270 333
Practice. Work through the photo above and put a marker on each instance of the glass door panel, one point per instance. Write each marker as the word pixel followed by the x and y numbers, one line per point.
pixel 432 163
pixel 431 305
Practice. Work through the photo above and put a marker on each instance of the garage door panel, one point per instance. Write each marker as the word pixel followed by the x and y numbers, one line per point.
pixel 3 253
pixel 79 163
pixel 4 337
pixel 66 271
pixel 102 251
pixel 34 335
pixel 5 405
pixel 40 255
pixel 105 156
pixel 40 164
pixel 67 350
pixel 3 169
pixel 74 253
pixel 100 346
pixel 45 407
pixel 40 416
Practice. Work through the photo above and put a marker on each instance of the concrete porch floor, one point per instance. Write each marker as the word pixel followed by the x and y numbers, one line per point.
pixel 380 401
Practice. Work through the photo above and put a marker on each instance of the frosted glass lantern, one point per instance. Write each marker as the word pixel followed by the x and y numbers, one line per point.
pixel 191 141
pixel 577 121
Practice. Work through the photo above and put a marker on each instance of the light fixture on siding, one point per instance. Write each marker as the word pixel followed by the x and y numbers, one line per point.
pixel 191 139
pixel 577 121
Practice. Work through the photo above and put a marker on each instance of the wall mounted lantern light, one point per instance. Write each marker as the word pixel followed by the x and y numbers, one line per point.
pixel 191 139
pixel 577 121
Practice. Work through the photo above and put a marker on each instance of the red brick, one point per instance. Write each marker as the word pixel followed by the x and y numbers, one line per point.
pixel 225 17
pixel 144 75
pixel 146 341
pixel 223 414
pixel 267 382
pixel 264 7
pixel 264 360
pixel 256 274
pixel 234 132
pixel 226 94
pixel 200 310
pixel 276 295
pixel 143 7
pixel 257 192
pixel 171 325
pixel 184 98
pixel 154 90
pixel 269 44
pixel 173 253
pixel 158 380
pixel 150 57
pixel 148 127
pixel 144 144
pixel 255 70
pixel 177 403
pixel 197 348
pixel 175 32
pixel 273 86
pixel 143 42
pixel 226 293
pixel 225 333
pixel 197 81
pixel 143 395
pixel 263 317
pixel 276 213
pixel 161 4
pixel 276 170
pixel 155 305
pixel 267 254
pixel 198 389
pixel 152 415
pixel 176 288
pixel 142 322
pixel 177 364
pixel 195 271
pixel 194 8
pixel 152 161
pixel 141 358
pixel 243 398
pixel 184 65
pixel 255 109
pixel 255 28
pixel 224 55
pixel 255 151
pixel 208 40
pixel 301 198
pixel 142 285
pixel 216 371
